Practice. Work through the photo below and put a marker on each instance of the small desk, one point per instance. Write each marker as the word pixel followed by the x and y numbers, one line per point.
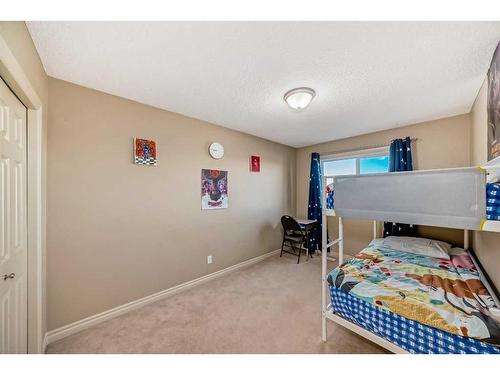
pixel 307 225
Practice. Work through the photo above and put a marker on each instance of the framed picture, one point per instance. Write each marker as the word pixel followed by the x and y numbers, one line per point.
pixel 493 106
pixel 254 163
pixel 144 151
pixel 213 189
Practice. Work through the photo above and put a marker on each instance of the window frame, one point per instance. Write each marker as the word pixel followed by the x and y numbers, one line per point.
pixel 357 155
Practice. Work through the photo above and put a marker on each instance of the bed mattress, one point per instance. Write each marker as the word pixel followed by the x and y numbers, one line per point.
pixel 493 201
pixel 420 303
pixel 410 335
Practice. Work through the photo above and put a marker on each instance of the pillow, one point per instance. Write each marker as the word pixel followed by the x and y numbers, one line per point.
pixel 415 245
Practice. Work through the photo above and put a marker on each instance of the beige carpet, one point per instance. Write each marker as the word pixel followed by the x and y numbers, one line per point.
pixel 271 307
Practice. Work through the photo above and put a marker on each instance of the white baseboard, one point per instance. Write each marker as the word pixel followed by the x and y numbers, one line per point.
pixel 67 330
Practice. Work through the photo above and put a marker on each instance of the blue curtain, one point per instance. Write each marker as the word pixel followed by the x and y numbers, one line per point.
pixel 400 155
pixel 400 160
pixel 314 207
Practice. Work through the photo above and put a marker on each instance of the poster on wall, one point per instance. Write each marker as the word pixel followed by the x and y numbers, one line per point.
pixel 144 151
pixel 254 163
pixel 213 189
pixel 494 106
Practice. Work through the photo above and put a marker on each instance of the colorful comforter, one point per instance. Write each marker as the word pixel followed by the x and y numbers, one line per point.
pixel 441 293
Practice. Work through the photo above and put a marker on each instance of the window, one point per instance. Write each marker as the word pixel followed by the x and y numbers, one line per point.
pixel 374 164
pixel 365 162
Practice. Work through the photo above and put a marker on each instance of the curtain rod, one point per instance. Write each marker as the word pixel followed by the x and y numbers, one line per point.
pixel 360 149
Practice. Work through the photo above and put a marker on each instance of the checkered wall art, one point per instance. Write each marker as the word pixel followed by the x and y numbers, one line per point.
pixel 144 151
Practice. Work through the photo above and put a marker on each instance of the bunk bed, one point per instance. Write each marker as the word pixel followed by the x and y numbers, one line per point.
pixel 397 295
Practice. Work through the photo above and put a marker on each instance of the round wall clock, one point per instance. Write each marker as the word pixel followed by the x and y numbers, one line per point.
pixel 216 150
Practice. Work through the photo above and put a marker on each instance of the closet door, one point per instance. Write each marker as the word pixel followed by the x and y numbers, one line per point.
pixel 13 224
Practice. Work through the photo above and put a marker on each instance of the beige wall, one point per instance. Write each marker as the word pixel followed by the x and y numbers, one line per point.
pixel 486 244
pixel 479 128
pixel 441 144
pixel 19 41
pixel 118 231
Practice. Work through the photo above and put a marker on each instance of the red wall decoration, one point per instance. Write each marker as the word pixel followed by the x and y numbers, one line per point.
pixel 254 163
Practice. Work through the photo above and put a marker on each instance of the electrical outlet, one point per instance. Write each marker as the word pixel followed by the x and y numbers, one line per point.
pixel 209 259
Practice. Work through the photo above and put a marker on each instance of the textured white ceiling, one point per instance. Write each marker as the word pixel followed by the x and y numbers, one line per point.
pixel 368 76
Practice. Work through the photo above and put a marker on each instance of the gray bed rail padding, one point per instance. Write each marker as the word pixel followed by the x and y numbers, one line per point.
pixel 453 198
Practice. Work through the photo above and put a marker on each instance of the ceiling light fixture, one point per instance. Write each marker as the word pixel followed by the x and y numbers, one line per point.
pixel 299 98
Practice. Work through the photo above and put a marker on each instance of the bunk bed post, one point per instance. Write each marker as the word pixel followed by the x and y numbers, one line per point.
pixel 466 239
pixel 374 229
pixel 341 241
pixel 324 261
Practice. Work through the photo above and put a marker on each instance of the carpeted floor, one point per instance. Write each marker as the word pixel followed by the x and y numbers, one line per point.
pixel 271 307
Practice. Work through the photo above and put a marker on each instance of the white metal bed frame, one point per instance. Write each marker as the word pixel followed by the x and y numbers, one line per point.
pixel 327 312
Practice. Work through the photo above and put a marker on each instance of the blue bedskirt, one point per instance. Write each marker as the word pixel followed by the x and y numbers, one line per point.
pixel 410 335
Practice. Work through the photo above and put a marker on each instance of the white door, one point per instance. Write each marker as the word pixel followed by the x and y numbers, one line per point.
pixel 13 224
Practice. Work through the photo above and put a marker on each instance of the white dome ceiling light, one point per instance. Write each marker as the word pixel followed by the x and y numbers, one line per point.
pixel 299 98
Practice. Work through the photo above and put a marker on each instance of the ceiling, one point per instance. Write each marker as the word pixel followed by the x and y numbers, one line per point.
pixel 368 76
